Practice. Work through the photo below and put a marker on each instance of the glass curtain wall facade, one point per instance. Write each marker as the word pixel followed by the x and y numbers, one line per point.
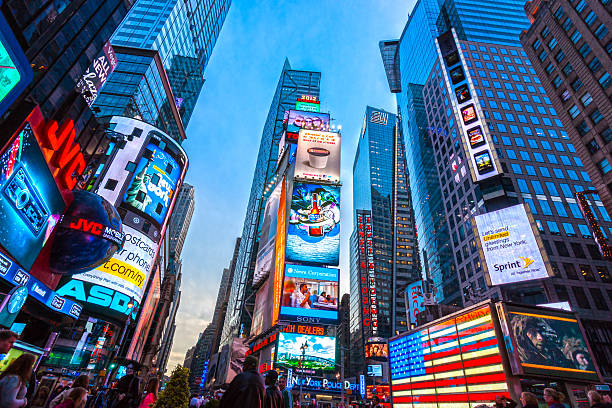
pixel 292 84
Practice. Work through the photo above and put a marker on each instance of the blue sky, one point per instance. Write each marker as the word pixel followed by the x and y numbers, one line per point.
pixel 337 38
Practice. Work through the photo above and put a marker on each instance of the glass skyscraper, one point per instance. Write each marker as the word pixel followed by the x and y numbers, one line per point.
pixel 163 47
pixel 291 85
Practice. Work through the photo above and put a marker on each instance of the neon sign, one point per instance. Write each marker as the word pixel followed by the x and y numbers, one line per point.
pixel 369 297
pixel 63 153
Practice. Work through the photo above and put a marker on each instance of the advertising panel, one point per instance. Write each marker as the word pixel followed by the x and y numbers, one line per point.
pixel 96 75
pixel 367 275
pixel 511 251
pixel 376 350
pixel 463 348
pixel 295 120
pixel 320 351
pixel 468 113
pixel 314 224
pixel 279 255
pixel 30 201
pixel 15 70
pixel 308 103
pixel 128 270
pixel 154 182
pixel 261 309
pixel 318 156
pixel 310 294
pixel 550 343
pixel 309 383
pixel 375 370
pixel 414 298
pixel 267 239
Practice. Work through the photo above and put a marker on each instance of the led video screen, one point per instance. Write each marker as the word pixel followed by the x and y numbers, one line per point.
pixel 310 291
pixel 314 224
pixel 319 355
pixel 30 201
pixel 296 120
pixel 376 350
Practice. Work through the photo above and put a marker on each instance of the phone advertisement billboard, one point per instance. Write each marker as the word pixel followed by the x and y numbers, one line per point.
pixel 30 201
pixel 154 182
pixel 310 294
pixel 319 352
pixel 508 242
pixel 314 224
pixel 318 156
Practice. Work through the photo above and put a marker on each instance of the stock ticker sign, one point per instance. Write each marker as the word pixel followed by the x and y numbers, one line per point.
pixel 369 303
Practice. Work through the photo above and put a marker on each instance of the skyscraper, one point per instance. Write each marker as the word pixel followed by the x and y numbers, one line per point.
pixel 381 195
pixel 181 219
pixel 199 358
pixel 291 85
pixel 163 48
pixel 569 44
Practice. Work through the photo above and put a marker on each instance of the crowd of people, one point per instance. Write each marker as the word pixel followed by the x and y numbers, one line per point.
pixel 552 398
pixel 21 388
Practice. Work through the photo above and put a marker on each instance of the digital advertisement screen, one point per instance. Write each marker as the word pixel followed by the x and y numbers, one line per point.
pixel 414 298
pixel 314 224
pixel 153 184
pixel 469 114
pixel 483 161
pixel 551 344
pixel 510 248
pixel 15 70
pixel 318 156
pixel 307 106
pixel 464 354
pixel 457 75
pixel 267 240
pixel 452 58
pixel 296 120
pixel 320 351
pixel 376 350
pixel 375 370
pixel 463 93
pixel 310 291
pixel 30 201
pixel 476 137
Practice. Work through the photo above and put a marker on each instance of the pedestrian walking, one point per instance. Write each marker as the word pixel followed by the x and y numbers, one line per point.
pixel 553 398
pixel 128 388
pixel 150 393
pixel 596 400
pixel 14 380
pixel 247 389
pixel 529 400
pixel 82 381
pixel 40 399
pixel 274 397
pixel 502 402
pixel 76 398
pixel 7 339
pixel 287 397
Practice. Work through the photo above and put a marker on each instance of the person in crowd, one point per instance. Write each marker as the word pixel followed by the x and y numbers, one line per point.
pixel 194 401
pixel 274 398
pixel 40 399
pixel 502 402
pixel 247 389
pixel 7 339
pixel 553 398
pixel 596 400
pixel 529 400
pixel 129 388
pixel 59 388
pixel 150 396
pixel 14 380
pixel 287 397
pixel 82 381
pixel 76 398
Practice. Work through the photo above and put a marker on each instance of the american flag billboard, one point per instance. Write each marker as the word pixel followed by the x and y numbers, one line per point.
pixel 454 363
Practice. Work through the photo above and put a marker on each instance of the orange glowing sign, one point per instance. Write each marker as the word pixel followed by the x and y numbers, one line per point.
pixel 62 152
pixel 279 260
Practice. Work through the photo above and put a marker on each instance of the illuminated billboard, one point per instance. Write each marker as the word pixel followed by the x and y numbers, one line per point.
pixel 477 143
pixel 308 103
pixel 548 343
pixel 30 201
pixel 96 75
pixel 318 156
pixel 464 354
pixel 511 250
pixel 295 120
pixel 128 270
pixel 310 294
pixel 267 238
pixel 314 224
pixel 320 352
pixel 376 350
pixel 154 183
pixel 414 300
pixel 15 70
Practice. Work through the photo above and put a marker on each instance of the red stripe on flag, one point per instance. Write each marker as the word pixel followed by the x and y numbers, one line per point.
pixel 447 367
pixel 487 378
pixel 440 354
pixel 486 397
pixel 482 361
pixel 476 329
pixel 450 382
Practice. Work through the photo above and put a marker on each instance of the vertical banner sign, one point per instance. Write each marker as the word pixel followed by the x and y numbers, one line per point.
pixel 415 300
pixel 468 113
pixel 289 378
pixel 362 385
pixel 369 299
pixel 97 74
pixel 279 260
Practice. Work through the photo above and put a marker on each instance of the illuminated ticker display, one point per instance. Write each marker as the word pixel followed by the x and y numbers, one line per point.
pixel 452 364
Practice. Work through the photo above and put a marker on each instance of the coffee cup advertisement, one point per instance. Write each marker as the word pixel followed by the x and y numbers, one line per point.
pixel 318 156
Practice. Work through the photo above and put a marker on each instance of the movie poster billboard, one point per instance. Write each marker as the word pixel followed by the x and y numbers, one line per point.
pixel 549 343
pixel 154 182
pixel 30 201
pixel 310 294
pixel 320 352
pixel 314 224
pixel 318 156
pixel 267 239
pixel 508 241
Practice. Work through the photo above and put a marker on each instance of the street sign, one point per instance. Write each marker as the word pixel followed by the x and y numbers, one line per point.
pixel 289 377
pixel 362 386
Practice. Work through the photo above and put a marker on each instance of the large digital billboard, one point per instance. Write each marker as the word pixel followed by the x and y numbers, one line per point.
pixel 319 355
pixel 314 224
pixel 318 156
pixel 455 362
pixel 267 238
pixel 15 70
pixel 154 183
pixel 414 300
pixel 549 343
pixel 310 294
pixel 30 201
pixel 508 241
pixel 295 120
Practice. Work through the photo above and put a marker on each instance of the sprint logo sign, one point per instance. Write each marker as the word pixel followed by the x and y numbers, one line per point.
pixel 510 247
